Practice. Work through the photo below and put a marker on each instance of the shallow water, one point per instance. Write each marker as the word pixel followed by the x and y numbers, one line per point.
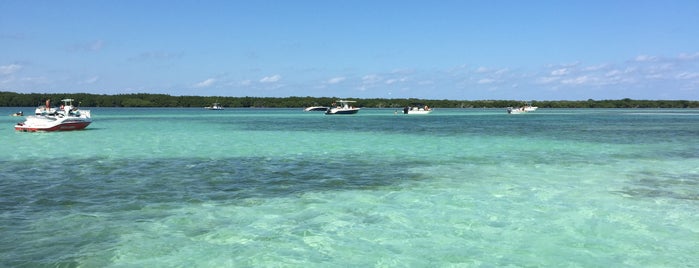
pixel 282 187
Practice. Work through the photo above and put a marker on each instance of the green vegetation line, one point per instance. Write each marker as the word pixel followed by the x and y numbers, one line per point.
pixel 12 99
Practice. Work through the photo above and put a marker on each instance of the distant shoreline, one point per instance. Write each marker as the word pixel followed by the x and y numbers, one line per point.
pixel 13 99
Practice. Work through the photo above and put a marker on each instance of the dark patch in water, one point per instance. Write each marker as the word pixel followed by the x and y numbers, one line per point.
pixel 676 186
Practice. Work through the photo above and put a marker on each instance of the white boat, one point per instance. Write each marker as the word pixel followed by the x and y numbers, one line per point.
pixel 67 117
pixel 518 110
pixel 215 106
pixel 343 108
pixel 530 108
pixel 417 109
pixel 316 109
pixel 527 107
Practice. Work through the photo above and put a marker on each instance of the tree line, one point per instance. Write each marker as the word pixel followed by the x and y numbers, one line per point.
pixel 12 99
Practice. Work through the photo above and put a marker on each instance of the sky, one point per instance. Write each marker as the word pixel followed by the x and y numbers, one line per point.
pixel 458 50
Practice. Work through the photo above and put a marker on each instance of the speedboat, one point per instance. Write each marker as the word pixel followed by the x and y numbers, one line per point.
pixel 343 108
pixel 20 113
pixel 215 106
pixel 316 109
pixel 67 117
pixel 417 109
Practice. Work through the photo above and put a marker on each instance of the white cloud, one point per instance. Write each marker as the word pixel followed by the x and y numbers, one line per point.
pixel 371 79
pixel 90 80
pixel 596 67
pixel 559 72
pixel 578 80
pixel 486 81
pixel 271 79
pixel 10 69
pixel 396 80
pixel 205 83
pixel 687 75
pixel 645 58
pixel 336 80
pixel 547 80
pixel 685 56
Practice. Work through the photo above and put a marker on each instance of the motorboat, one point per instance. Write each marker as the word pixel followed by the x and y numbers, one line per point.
pixel 417 109
pixel 527 107
pixel 343 108
pixel 66 117
pixel 215 106
pixel 20 113
pixel 518 110
pixel 316 109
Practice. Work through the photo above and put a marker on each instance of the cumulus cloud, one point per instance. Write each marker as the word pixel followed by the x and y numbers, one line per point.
pixel 10 69
pixel 205 83
pixel 271 79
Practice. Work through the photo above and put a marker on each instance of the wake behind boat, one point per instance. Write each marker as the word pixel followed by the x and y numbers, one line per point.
pixel 67 117
pixel 343 108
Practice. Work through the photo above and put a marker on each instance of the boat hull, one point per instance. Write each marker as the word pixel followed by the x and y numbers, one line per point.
pixel 316 109
pixel 341 111
pixel 54 123
pixel 417 112
pixel 66 126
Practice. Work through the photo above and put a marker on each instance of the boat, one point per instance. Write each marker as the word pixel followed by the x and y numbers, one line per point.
pixel 518 110
pixel 417 108
pixel 215 106
pixel 316 109
pixel 65 118
pixel 20 113
pixel 527 107
pixel 343 108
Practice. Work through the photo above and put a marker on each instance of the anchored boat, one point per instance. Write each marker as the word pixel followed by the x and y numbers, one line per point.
pixel 67 117
pixel 343 108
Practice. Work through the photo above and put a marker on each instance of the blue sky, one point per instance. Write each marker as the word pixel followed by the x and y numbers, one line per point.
pixel 464 49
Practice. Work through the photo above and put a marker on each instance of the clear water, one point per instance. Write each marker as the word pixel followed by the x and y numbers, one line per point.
pixel 282 187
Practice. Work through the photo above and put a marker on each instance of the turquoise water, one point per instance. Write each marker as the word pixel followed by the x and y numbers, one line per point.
pixel 282 187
